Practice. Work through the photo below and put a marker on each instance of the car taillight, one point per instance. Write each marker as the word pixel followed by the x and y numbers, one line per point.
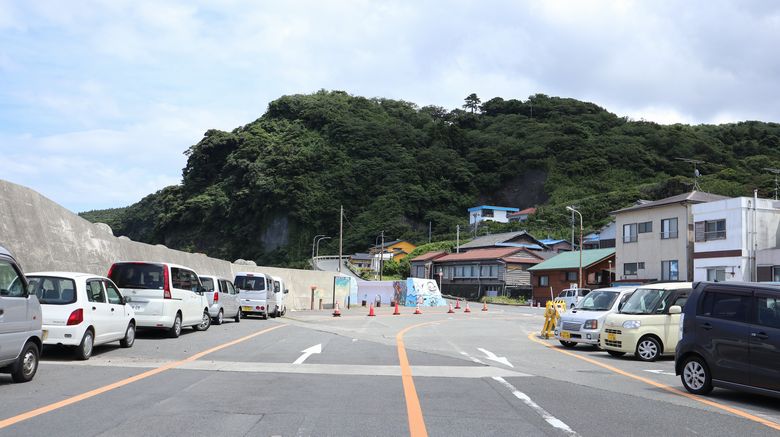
pixel 76 317
pixel 166 283
pixel 111 270
pixel 216 296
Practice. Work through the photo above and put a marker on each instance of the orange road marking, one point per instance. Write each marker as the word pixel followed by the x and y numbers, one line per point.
pixel 732 410
pixel 413 410
pixel 100 390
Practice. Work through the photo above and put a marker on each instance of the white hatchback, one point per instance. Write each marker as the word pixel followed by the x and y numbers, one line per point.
pixel 82 310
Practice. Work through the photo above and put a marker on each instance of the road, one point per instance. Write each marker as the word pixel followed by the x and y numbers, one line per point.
pixel 332 265
pixel 484 373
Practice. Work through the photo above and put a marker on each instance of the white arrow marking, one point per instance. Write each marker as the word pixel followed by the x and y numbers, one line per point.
pixel 660 372
pixel 491 356
pixel 316 349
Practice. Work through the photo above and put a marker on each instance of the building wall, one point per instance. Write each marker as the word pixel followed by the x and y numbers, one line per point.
pixel 499 216
pixel 405 246
pixel 650 248
pixel 558 281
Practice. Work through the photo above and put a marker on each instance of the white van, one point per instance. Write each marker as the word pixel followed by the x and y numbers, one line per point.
pixel 276 304
pixel 572 296
pixel 163 295
pixel 253 290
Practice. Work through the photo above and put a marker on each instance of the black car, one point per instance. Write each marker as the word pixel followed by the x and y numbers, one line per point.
pixel 730 338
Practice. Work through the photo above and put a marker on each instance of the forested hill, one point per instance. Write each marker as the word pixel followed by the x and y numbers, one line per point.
pixel 264 190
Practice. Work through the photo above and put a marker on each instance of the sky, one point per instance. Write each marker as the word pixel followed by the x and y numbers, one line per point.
pixel 99 100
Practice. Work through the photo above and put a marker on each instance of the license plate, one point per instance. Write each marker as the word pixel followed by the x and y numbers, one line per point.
pixel 611 337
pixel 45 334
pixel 565 334
pixel 250 309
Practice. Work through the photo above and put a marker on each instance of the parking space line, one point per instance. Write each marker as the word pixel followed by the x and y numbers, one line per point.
pixel 549 418
pixel 413 409
pixel 106 388
pixel 732 410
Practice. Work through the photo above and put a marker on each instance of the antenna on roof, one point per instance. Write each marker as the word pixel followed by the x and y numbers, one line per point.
pixel 776 172
pixel 696 173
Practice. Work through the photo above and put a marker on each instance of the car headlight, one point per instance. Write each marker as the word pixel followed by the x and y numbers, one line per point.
pixel 591 324
pixel 632 324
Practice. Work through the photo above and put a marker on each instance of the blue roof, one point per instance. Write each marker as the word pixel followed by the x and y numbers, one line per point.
pixel 495 208
pixel 525 245
pixel 549 241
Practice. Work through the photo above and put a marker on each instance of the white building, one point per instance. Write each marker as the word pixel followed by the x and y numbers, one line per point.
pixel 490 213
pixel 728 236
pixel 655 239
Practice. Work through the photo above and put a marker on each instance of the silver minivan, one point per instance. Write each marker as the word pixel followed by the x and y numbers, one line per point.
pixel 21 335
pixel 223 299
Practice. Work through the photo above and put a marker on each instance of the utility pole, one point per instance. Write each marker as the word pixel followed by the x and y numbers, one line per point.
pixel 382 256
pixel 341 235
pixel 429 231
pixel 457 239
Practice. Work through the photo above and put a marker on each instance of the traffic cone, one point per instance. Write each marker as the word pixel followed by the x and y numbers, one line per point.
pixel 396 312
pixel 467 310
pixel 337 312
pixel 417 310
pixel 457 304
pixel 484 306
pixel 371 311
pixel 451 311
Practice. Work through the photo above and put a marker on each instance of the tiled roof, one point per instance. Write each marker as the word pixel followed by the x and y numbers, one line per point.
pixel 361 256
pixel 571 260
pixel 527 211
pixel 429 256
pixel 525 259
pixel 692 197
pixel 493 239
pixel 480 254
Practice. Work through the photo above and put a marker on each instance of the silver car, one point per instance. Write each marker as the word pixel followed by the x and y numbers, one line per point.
pixel 584 322
pixel 21 335
pixel 223 299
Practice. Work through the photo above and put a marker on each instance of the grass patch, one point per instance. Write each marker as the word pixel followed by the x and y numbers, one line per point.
pixel 506 300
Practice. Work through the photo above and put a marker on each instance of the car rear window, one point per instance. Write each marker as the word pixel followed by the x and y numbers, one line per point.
pixel 256 283
pixel 138 275
pixel 208 283
pixel 53 290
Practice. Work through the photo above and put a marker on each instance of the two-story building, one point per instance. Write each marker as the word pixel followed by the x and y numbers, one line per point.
pixel 730 234
pixel 562 271
pixel 490 213
pixel 656 239
pixel 422 266
pixel 602 239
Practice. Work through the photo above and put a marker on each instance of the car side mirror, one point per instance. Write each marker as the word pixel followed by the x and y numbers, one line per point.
pixel 286 291
pixel 675 309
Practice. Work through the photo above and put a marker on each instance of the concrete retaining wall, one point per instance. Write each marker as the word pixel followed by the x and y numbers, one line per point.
pixel 42 235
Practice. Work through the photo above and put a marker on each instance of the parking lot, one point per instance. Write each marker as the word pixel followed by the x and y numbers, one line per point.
pixel 312 374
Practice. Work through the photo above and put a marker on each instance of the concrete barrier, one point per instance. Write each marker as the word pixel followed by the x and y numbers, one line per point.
pixel 45 236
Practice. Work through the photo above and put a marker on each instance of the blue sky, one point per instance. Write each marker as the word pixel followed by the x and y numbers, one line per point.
pixel 99 99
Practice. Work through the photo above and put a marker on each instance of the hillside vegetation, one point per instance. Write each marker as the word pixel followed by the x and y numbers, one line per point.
pixel 264 190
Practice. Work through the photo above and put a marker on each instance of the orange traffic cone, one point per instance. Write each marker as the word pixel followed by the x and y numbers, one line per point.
pixel 457 304
pixel 451 311
pixel 467 310
pixel 337 312
pixel 396 312
pixel 371 311
pixel 417 310
pixel 484 306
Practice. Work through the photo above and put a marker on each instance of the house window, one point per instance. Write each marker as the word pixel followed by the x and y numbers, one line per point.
pixel 629 269
pixel 571 276
pixel 489 271
pixel 640 266
pixel 645 227
pixel 670 270
pixel 669 228
pixel 629 233
pixel 487 213
pixel 717 275
pixel 776 274
pixel 710 230
pixel 420 272
pixel 544 281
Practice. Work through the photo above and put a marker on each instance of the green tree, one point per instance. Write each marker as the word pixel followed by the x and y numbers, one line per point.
pixel 472 103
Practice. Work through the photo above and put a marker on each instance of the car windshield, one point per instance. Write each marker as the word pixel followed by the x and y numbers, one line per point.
pixel 208 283
pixel 647 301
pixel 52 290
pixel 598 301
pixel 255 283
pixel 137 275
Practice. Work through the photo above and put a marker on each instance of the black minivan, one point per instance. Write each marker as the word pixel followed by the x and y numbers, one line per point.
pixel 730 338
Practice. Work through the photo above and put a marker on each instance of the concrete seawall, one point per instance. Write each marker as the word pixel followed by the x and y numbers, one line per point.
pixel 43 235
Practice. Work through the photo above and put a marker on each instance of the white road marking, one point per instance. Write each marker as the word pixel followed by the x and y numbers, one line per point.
pixel 660 372
pixel 491 356
pixel 476 360
pixel 316 349
pixel 549 418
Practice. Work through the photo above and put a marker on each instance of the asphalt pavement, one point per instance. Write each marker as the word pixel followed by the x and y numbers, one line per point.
pixel 483 373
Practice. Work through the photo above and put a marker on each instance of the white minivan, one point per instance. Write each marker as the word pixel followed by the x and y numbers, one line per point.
pixel 223 299
pixel 163 296
pixel 573 296
pixel 253 289
pixel 82 310
pixel 277 306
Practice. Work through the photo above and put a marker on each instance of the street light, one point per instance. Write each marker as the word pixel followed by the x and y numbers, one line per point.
pixel 579 278
pixel 318 243
pixel 313 242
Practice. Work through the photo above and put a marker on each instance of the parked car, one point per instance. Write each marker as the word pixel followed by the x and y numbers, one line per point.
pixel 648 324
pixel 572 296
pixel 222 297
pixel 730 338
pixel 252 292
pixel 163 296
pixel 21 335
pixel 583 323
pixel 82 310
pixel 278 301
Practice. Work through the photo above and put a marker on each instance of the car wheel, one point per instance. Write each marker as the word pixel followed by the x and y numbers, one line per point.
pixel 615 354
pixel 84 350
pixel 26 365
pixel 205 322
pixel 238 316
pixel 220 318
pixel 568 344
pixel 175 330
pixel 129 336
pixel 648 349
pixel 696 376
pixel 284 311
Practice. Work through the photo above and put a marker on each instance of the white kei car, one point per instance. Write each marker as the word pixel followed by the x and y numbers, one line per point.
pixel 583 324
pixel 82 310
